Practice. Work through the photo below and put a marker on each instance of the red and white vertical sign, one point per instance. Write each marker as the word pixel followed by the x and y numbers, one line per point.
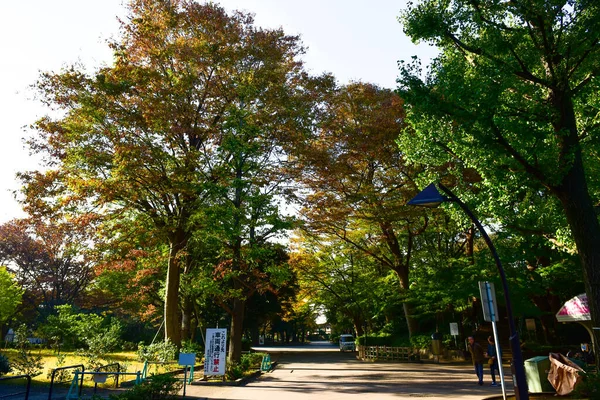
pixel 215 352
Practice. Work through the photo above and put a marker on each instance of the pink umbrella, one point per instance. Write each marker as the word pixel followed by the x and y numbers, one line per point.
pixel 575 309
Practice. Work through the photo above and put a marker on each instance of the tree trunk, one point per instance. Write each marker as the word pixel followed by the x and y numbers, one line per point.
pixel 585 229
pixel 186 318
pixel 172 319
pixel 237 328
pixel 411 322
pixel 358 328
pixel 574 196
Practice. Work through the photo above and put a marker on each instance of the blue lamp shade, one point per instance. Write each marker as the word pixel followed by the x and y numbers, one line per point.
pixel 428 197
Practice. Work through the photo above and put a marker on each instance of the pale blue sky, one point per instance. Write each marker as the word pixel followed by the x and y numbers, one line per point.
pixel 354 40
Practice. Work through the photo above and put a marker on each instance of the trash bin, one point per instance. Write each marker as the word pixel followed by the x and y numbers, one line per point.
pixel 436 343
pixel 536 374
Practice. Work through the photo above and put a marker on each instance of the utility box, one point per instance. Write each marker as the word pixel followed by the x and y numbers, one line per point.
pixel 536 373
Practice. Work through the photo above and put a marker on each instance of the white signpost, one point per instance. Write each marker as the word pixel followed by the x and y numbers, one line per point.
pixel 454 331
pixel 215 353
pixel 490 314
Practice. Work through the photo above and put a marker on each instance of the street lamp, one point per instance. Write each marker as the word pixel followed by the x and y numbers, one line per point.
pixel 431 197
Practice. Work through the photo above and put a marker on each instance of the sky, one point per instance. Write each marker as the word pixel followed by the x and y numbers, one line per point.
pixel 355 40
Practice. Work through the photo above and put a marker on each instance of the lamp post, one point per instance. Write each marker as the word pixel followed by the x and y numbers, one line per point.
pixel 431 197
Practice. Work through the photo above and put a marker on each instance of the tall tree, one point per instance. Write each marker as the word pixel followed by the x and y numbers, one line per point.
pixel 359 180
pixel 10 296
pixel 48 260
pixel 514 94
pixel 342 280
pixel 135 140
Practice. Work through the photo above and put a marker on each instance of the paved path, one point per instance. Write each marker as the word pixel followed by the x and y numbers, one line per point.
pixel 17 392
pixel 321 371
pixel 329 374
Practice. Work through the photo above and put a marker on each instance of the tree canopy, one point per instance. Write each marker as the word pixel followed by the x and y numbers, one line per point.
pixel 170 175
pixel 186 118
pixel 10 295
pixel 514 95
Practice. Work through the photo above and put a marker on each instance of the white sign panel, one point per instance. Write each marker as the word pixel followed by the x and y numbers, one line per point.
pixel 215 353
pixel 454 328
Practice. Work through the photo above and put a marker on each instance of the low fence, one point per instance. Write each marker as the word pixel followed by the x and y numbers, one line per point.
pixel 388 353
pixel 60 375
pixel 25 393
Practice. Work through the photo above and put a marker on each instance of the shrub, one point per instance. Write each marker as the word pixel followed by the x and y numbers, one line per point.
pixel 251 361
pixel 62 375
pixel 26 362
pixel 384 339
pixel 420 341
pixel 4 365
pixel 187 346
pixel 100 344
pixel 158 352
pixel 234 371
pixel 159 387
pixel 589 387
pixel 129 346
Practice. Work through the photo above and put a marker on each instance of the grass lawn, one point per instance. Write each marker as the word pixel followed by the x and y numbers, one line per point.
pixel 128 362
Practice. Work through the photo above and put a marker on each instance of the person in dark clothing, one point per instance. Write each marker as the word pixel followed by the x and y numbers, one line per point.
pixel 493 358
pixel 478 358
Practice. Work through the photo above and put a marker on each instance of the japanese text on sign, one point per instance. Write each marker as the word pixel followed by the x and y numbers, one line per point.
pixel 214 356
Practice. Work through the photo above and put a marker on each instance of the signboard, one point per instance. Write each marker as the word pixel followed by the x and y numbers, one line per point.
pixel 530 324
pixel 488 300
pixel 454 328
pixel 215 354
pixel 187 358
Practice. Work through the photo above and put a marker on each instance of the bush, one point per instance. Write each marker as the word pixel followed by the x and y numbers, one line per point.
pixel 4 365
pixel 248 362
pixel 234 371
pixel 26 362
pixel 159 387
pixel 62 375
pixel 251 361
pixel 188 346
pixel 158 352
pixel 420 341
pixel 589 387
pixel 100 344
pixel 384 339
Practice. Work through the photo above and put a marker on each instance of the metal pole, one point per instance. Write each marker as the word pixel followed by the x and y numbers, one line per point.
pixel 499 359
pixel 521 392
pixel 184 379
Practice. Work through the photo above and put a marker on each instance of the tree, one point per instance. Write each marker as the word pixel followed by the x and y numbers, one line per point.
pixel 359 180
pixel 513 94
pixel 10 295
pixel 136 140
pixel 48 260
pixel 344 281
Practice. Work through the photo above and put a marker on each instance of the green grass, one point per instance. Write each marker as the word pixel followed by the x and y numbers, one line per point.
pixel 126 360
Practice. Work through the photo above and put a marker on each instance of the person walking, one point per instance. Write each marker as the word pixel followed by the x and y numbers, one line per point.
pixel 478 358
pixel 492 355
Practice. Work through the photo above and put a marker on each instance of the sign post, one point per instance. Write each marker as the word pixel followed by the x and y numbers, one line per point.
pixel 490 314
pixel 186 360
pixel 215 353
pixel 454 331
